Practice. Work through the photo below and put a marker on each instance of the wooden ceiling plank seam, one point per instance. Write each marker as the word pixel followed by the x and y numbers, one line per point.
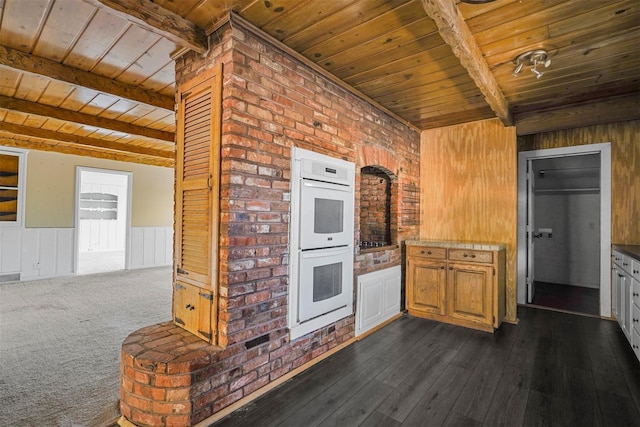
pixel 472 10
pixel 15 59
pixel 81 140
pixel 443 69
pixel 414 62
pixel 23 21
pixel 305 14
pixel 79 30
pixel 327 28
pixel 403 36
pixel 390 20
pixel 363 61
pixel 159 20
pixel 43 22
pixel 512 11
pixel 28 107
pixel 237 20
pixel 549 16
pixel 143 63
pixel 561 33
pixel 257 12
pixel 456 34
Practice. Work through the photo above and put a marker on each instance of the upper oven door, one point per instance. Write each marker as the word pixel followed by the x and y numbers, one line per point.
pixel 326 215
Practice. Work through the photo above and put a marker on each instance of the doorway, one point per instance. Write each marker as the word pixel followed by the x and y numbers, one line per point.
pixel 103 198
pixel 564 228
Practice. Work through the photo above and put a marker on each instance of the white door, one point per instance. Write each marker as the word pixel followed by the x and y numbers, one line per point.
pixel 531 289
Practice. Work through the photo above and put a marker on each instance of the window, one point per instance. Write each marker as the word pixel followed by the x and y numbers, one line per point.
pixel 12 178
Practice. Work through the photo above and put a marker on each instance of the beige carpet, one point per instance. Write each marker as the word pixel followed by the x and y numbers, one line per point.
pixel 60 344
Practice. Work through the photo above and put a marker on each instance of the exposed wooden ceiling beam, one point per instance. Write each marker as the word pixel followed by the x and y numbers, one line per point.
pixel 17 60
pixel 85 151
pixel 83 140
pixel 616 109
pixel 28 107
pixel 159 20
pixel 455 32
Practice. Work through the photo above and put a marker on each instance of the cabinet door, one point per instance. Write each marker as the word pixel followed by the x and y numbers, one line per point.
pixel 470 290
pixel 192 307
pixel 426 285
pixel 615 291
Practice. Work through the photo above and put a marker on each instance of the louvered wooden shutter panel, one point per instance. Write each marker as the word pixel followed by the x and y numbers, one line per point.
pixel 197 181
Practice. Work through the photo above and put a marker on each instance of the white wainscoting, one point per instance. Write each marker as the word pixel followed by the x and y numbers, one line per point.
pixel 151 247
pixel 38 253
pixel 378 298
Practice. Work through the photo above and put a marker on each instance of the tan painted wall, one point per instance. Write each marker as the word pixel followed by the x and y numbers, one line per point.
pixel 468 187
pixel 625 169
pixel 51 182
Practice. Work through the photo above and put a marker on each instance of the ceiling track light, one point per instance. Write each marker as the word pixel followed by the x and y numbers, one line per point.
pixel 532 58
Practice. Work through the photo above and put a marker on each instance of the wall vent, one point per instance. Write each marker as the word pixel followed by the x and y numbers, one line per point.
pixel 13 277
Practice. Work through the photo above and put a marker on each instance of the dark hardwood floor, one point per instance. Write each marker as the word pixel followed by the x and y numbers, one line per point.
pixel 568 298
pixel 553 369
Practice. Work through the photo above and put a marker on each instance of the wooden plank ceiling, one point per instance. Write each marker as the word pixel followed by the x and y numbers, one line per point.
pixel 96 78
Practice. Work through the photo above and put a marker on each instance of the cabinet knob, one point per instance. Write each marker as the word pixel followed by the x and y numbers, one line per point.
pixel 190 307
pixel 635 294
pixel 442 268
pixel 450 268
pixel 635 320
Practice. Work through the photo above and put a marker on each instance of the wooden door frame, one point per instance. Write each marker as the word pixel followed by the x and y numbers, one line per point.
pixel 604 149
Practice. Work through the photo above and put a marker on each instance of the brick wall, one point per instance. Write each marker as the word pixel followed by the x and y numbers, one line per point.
pixel 375 207
pixel 271 102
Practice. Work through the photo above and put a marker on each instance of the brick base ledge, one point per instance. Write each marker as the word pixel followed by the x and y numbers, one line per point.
pixel 166 376
pixel 170 377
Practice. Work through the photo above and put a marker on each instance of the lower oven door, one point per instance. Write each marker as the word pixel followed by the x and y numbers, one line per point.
pixel 326 281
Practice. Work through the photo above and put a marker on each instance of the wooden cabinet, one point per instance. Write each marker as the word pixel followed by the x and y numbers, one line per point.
pixel 456 283
pixel 625 279
pixel 195 273
pixel 193 309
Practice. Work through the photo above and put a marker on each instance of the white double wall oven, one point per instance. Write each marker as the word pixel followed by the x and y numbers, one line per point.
pixel 321 241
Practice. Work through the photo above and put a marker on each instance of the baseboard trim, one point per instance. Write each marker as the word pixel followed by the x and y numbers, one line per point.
pixel 256 394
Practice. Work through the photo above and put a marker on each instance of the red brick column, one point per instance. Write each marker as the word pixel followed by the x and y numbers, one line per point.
pixel 166 377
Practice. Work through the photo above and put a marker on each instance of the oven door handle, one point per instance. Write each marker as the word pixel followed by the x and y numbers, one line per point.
pixel 322 253
pixel 326 186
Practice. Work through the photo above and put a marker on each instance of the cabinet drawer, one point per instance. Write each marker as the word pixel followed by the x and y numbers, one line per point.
pixel 427 252
pixel 470 255
pixel 635 269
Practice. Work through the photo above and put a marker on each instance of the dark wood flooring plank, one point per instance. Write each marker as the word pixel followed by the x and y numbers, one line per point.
pixel 403 399
pixel 470 353
pixel 377 419
pixel 628 363
pixel 546 377
pixel 543 409
pixel 396 372
pixel 433 409
pixel 355 410
pixel 476 396
pixel 581 406
pixel 509 402
pixel 617 410
pixel 332 398
pixel 456 420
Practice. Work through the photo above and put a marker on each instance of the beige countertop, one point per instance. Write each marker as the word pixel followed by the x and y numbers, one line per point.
pixel 458 245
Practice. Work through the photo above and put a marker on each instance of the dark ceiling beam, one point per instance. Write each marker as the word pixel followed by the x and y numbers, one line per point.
pixel 596 112
pixel 18 141
pixel 17 60
pixel 86 141
pixel 158 20
pixel 455 32
pixel 28 107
